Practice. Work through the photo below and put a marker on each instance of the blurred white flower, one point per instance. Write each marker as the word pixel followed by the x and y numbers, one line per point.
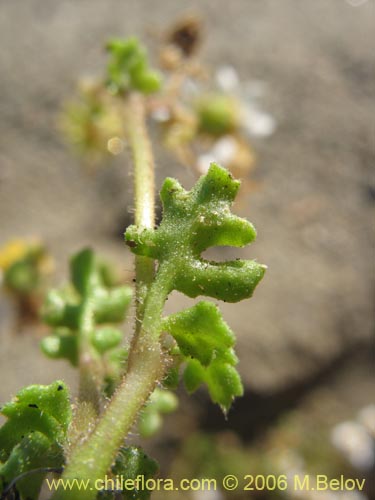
pixel 258 123
pixel 255 121
pixel 355 443
pixel 227 78
pixel 230 152
pixel 204 161
pixel 224 149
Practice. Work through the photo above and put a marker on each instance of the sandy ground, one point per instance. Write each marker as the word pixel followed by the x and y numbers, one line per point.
pixel 315 200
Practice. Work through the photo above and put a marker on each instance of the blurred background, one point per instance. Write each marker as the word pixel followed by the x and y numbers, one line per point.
pixel 305 70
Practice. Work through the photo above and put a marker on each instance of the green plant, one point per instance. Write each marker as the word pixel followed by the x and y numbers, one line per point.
pixel 24 266
pixel 84 317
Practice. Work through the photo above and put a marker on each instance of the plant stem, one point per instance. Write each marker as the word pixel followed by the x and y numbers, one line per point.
pixel 89 376
pixel 92 459
pixel 136 134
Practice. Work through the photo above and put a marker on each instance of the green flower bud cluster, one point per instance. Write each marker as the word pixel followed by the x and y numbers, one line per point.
pixel 128 68
pixel 91 294
pixel 33 436
pixel 90 121
pixel 218 114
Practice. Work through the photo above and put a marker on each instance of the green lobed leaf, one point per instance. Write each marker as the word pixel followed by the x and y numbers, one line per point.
pixel 33 435
pixel 62 309
pixel 111 305
pixel 206 344
pixel 106 338
pixel 222 379
pixel 84 272
pixel 61 345
pixel 192 222
pixel 200 332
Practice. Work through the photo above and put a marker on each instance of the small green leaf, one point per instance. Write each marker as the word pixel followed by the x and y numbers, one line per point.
pixel 149 423
pixel 60 309
pixel 222 379
pixel 33 435
pixel 200 332
pixel 106 338
pixel 161 401
pixel 194 375
pixel 61 345
pixel 110 306
pixel 206 343
pixel 84 271
pixel 43 454
pixel 51 400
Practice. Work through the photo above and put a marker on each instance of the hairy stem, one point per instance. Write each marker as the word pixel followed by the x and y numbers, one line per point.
pixel 136 134
pixel 89 376
pixel 93 458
